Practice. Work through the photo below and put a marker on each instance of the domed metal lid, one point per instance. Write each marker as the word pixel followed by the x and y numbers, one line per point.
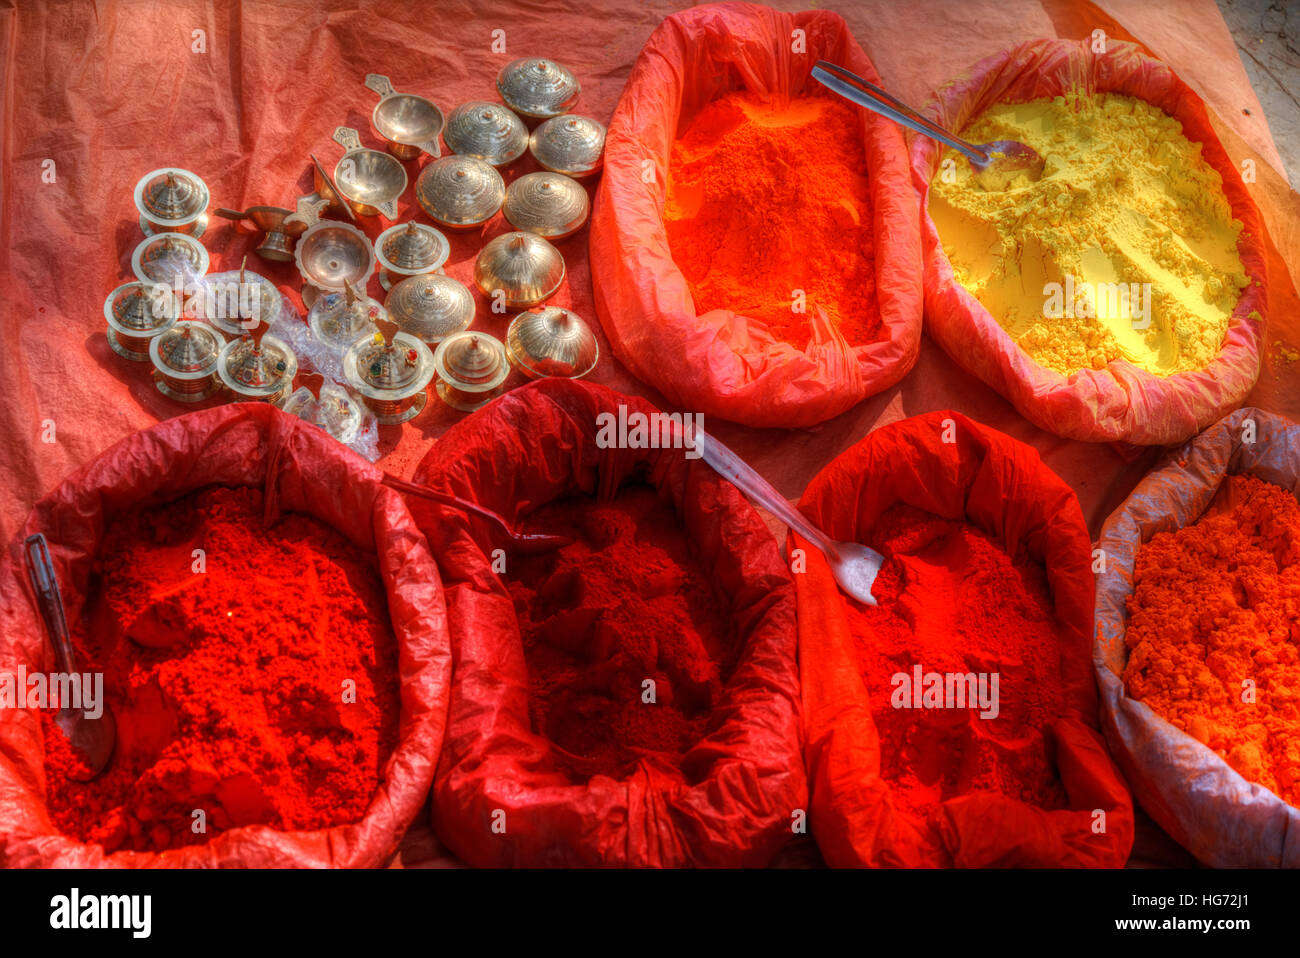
pixel 548 204
pixel 171 196
pixel 487 131
pixel 549 341
pixel 537 87
pixel 524 266
pixel 257 365
pixel 140 309
pixel 460 191
pixel 390 366
pixel 340 319
pixel 431 307
pixel 411 248
pixel 188 350
pixel 166 257
pixel 471 362
pixel 572 145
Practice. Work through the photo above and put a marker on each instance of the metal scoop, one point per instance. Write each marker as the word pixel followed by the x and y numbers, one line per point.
pixel 525 543
pixel 92 738
pixel 854 566
pixel 994 164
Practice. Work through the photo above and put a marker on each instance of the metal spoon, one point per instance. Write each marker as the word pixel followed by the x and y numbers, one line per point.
pixel 92 738
pixel 854 566
pixel 994 164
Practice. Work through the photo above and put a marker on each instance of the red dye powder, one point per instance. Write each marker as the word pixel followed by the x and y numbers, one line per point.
pixel 238 703
pixel 952 601
pixel 626 602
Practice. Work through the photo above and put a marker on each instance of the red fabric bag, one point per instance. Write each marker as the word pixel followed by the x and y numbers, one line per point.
pixel 1197 797
pixel 746 779
pixel 1120 402
pixel 1001 486
pixel 718 363
pixel 234 445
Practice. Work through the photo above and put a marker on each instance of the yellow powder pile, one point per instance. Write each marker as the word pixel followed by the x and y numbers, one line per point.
pixel 1124 198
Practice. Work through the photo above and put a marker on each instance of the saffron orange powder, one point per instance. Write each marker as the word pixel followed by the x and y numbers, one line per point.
pixel 1214 631
pixel 767 199
pixel 228 685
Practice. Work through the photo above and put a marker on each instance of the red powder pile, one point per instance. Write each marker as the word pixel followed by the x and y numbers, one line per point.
pixel 247 716
pixel 626 602
pixel 952 601
pixel 767 198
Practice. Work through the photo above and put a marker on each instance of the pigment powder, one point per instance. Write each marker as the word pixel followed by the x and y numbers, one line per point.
pixel 1214 631
pixel 627 601
pixel 246 717
pixel 1124 198
pixel 952 601
pixel 767 199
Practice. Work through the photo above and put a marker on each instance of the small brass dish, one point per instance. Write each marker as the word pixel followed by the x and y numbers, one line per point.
pixel 431 307
pixel 486 131
pixel 460 192
pixel 370 181
pixel 172 200
pixel 525 267
pixel 168 257
pixel 185 361
pixel 549 341
pixel 409 249
pixel 391 371
pixel 409 123
pixel 537 88
pixel 137 312
pixel 548 204
pixel 257 367
pixel 277 241
pixel 471 368
pixel 330 255
pixel 572 145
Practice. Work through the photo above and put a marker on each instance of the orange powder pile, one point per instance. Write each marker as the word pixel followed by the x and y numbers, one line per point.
pixel 1214 631
pixel 766 199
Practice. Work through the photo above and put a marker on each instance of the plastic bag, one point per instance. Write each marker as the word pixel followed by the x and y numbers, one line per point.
pixel 1193 794
pixel 534 445
pixel 1120 402
pixel 1001 486
pixel 232 445
pixel 717 363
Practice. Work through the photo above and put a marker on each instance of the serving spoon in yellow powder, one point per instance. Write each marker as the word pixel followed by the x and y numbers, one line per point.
pixel 994 164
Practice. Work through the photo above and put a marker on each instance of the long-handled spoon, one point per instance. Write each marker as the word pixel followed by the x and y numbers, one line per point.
pixel 522 542
pixel 854 566
pixel 92 738
pixel 995 164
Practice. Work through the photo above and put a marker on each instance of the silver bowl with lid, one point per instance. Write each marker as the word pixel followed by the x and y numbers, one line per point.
pixel 136 313
pixel 520 268
pixel 409 249
pixel 572 145
pixel 257 368
pixel 537 88
pixel 431 307
pixel 460 192
pixel 551 341
pixel 392 372
pixel 548 204
pixel 169 257
pixel 172 200
pixel 487 131
pixel 185 361
pixel 472 368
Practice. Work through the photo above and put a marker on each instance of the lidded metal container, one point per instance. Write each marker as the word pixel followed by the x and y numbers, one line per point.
pixel 409 249
pixel 431 307
pixel 172 200
pixel 572 145
pixel 550 341
pixel 232 300
pixel 257 367
pixel 460 192
pixel 168 257
pixel 525 267
pixel 136 313
pixel 327 405
pixel 185 361
pixel 339 319
pixel 486 131
pixel 537 88
pixel 471 367
pixel 391 371
pixel 548 204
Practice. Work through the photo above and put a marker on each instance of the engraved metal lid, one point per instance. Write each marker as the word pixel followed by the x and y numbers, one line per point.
pixel 524 266
pixel 166 257
pixel 171 196
pixel 257 366
pixel 548 204
pixel 331 254
pixel 188 350
pixel 537 87
pixel 572 145
pixel 487 131
pixel 411 248
pixel 339 319
pixel 550 341
pixel 460 191
pixel 140 309
pixel 390 366
pixel 431 307
pixel 471 362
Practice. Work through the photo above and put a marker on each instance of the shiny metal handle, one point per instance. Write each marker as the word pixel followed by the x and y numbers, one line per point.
pixel 347 138
pixel 380 84
pixel 309 209
pixel 40 568
pixel 229 214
